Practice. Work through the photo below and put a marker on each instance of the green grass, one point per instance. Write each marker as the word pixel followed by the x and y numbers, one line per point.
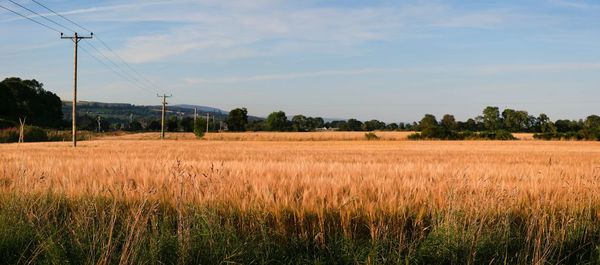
pixel 51 229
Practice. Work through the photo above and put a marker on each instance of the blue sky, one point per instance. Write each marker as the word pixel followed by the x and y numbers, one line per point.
pixel 389 60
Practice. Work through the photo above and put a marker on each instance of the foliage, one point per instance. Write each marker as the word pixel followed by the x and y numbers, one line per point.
pixel 237 120
pixel 154 126
pixel 134 126
pixel 7 124
pixel 572 130
pixel 446 130
pixel 351 125
pixel 371 136
pixel 32 134
pixel 172 124
pixel 186 124
pixel 491 118
pixel 27 98
pixel 277 121
pixel 9 135
pixel 200 127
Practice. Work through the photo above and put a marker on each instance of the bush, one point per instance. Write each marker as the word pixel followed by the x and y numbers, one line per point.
pixel 500 135
pixel 35 134
pixel 32 134
pixel 497 135
pixel 10 135
pixel 590 135
pixel 371 136
pixel 200 127
pixel 4 124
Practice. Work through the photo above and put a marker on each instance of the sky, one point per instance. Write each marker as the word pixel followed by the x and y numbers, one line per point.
pixel 389 60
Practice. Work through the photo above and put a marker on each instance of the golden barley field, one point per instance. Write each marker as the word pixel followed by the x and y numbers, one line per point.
pixel 453 202
pixel 280 136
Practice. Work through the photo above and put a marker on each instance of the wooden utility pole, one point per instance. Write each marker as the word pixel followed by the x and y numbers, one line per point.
pixel 164 110
pixel 195 115
pixel 98 119
pixel 207 119
pixel 75 38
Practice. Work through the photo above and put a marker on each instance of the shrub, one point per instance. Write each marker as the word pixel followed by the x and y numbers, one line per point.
pixel 466 135
pixel 200 127
pixel 4 124
pixel 32 134
pixel 591 135
pixel 415 136
pixel 10 135
pixel 498 135
pixel 371 136
pixel 35 134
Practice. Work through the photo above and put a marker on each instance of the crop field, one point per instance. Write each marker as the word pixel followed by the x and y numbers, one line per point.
pixel 279 136
pixel 300 198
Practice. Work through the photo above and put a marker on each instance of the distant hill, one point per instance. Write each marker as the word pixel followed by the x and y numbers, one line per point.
pixel 122 112
pixel 201 108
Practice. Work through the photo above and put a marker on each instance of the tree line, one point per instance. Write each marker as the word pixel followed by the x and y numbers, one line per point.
pixel 27 98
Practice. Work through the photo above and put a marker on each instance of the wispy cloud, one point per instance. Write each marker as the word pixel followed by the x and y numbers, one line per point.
pixel 220 30
pixel 578 4
pixel 286 76
pixel 548 67
pixel 471 70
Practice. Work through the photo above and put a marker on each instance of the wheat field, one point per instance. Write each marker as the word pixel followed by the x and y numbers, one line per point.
pixel 306 200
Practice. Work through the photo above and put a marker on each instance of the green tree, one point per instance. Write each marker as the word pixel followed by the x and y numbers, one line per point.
pixel 428 122
pixel 373 125
pixel 172 124
pixel 315 123
pixel 544 124
pixel 135 126
pixel 153 126
pixel 237 120
pixel 351 125
pixel 392 126
pixel 200 127
pixel 277 121
pixel 592 122
pixel 257 126
pixel 187 124
pixel 491 118
pixel 449 122
pixel 87 123
pixel 27 98
pixel 301 124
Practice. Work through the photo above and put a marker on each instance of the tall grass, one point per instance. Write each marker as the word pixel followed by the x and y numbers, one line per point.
pixel 372 202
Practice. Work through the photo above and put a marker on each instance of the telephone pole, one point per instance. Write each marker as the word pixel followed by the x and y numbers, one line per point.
pixel 98 119
pixel 164 110
pixel 207 119
pixel 75 38
pixel 195 115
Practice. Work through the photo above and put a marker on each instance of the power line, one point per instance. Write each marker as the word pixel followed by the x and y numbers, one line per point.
pixel 42 16
pixel 65 18
pixel 126 75
pixel 128 79
pixel 128 65
pixel 31 19
pixel 131 69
